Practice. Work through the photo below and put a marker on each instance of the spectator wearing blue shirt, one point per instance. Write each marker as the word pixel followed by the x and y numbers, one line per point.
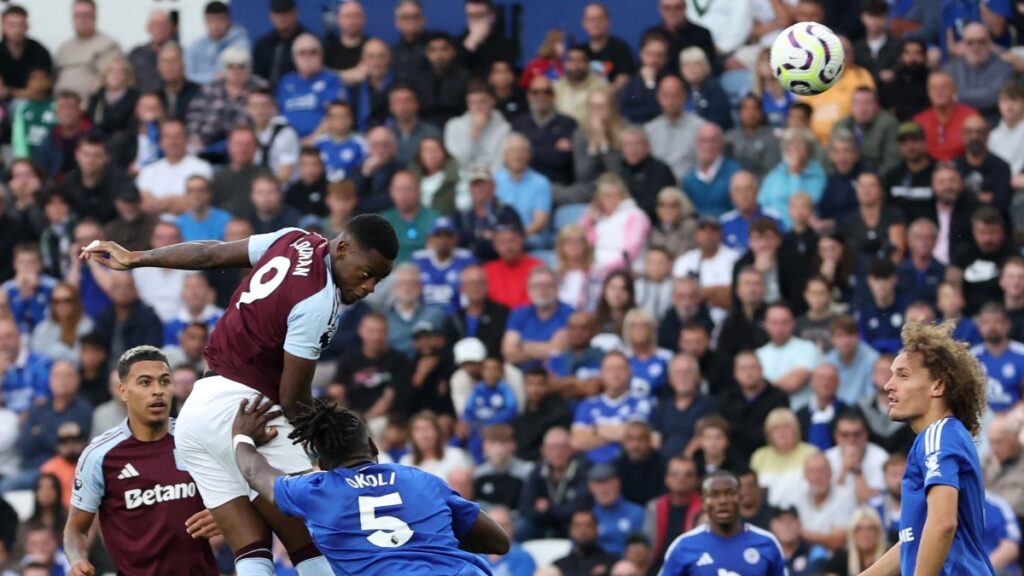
pixel 517 562
pixel 674 419
pixel 202 58
pixel 817 417
pixel 617 518
pixel 201 221
pixel 599 423
pixel 576 371
pixel 1001 538
pixel 798 172
pixel 197 296
pixel 526 190
pixel 707 182
pixel 920 274
pixel 535 331
pixel 853 358
pixel 491 401
pixel 304 95
pixel 647 362
pixel 1001 358
pixel 707 98
pixel 951 305
pixel 839 199
pixel 37 441
pixel 23 375
pixel 441 264
pixel 28 293
pixel 880 317
pixel 736 222
pixel 341 149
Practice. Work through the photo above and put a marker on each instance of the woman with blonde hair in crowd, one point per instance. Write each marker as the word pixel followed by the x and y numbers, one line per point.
pixel 574 256
pixel 676 228
pixel 615 225
pixel 56 337
pixel 780 464
pixel 430 451
pixel 112 107
pixel 865 544
pixel 596 145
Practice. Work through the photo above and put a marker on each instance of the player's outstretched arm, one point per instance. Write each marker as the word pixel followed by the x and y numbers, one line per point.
pixel 887 565
pixel 485 537
pixel 200 255
pixel 249 431
pixel 76 542
pixel 939 529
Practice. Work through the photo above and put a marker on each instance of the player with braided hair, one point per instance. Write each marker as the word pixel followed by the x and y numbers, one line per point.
pixel 366 518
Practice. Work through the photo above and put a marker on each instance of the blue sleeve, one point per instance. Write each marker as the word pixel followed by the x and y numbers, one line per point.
pixel 999 7
pixel 675 560
pixel 464 512
pixel 509 408
pixel 516 319
pixel 87 493
pixel 289 492
pixel 279 94
pixel 943 456
pixel 542 202
pixel 582 415
pixel 467 412
pixel 776 561
pixel 309 325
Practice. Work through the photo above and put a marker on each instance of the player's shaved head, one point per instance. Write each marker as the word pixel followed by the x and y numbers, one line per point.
pixel 363 255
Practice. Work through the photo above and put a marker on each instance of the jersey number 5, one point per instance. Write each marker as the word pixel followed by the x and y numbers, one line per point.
pixel 388 531
pixel 258 289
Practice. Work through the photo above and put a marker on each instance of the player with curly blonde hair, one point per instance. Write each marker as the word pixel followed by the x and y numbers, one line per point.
pixel 938 388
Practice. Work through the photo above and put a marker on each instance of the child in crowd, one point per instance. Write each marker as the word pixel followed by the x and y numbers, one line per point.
pixel 341 149
pixel 814 324
pixel 500 479
pixel 654 287
pixel 341 206
pixel 491 401
pixel 28 293
pixel 880 317
pixel 951 305
pixel 35 116
pixel 307 194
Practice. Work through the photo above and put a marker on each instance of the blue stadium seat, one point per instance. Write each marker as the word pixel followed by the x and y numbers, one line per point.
pixel 569 214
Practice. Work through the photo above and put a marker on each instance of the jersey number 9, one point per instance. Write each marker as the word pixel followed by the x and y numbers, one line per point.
pixel 388 531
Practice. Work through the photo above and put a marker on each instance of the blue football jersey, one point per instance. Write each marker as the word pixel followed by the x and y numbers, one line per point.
pixel 604 410
pixel 649 374
pixel 944 454
pixel 341 157
pixel 1004 373
pixel 700 552
pixel 303 101
pixel 384 519
pixel 1000 524
pixel 29 311
pixel 441 281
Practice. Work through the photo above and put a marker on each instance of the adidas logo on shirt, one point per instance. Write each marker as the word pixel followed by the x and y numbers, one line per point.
pixel 128 471
pixel 705 560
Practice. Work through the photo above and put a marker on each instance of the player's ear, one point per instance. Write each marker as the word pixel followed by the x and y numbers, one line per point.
pixel 938 388
pixel 122 390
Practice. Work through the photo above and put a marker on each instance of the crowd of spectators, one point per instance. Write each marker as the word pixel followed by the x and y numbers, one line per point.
pixel 621 267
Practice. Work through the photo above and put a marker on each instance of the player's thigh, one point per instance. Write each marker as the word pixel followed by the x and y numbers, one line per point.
pixel 241 523
pixel 282 453
pixel 291 530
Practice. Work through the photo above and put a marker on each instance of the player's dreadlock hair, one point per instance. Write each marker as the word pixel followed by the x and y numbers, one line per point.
pixel 952 363
pixel 333 433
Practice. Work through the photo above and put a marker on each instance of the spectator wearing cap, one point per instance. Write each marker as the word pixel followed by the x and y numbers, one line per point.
pixel 24 378
pixel 478 224
pixel 615 225
pixel 874 130
pixel 711 263
pixel 617 518
pixel 202 58
pixel 303 95
pixel 55 156
pixel 408 310
pixel 405 123
pixel 478 136
pixel 441 263
pixel 476 316
pixel 676 511
pixel 269 212
pixel 798 172
pixel 38 439
pixel 272 51
pixel 854 359
pixel 908 185
pixel 641 467
pixel 986 176
pixel 543 409
pixel 943 121
pixel 162 183
pixel 507 275
pixel 222 104
pixel 526 190
pixel 71 442
pixel 599 424
pixel 132 228
pixel 536 331
pixel 438 174
pixel 370 378
pixel 410 218
pixel 200 220
pixel 550 135
pixel 91 184
pixel 802 559
pixel 441 86
pixel 81 58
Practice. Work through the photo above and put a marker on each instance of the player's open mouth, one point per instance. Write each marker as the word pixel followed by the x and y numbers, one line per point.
pixel 892 402
pixel 157 407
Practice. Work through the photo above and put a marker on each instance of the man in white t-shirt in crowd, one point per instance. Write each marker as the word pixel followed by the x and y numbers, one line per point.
pixel 277 143
pixel 787 360
pixel 161 288
pixel 162 183
pixel 711 262
pixel 824 508
pixel 856 463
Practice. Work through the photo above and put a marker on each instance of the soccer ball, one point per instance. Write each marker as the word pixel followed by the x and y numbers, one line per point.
pixel 807 58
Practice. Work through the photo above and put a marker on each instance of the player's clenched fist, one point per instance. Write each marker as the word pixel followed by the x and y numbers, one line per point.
pixel 82 568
